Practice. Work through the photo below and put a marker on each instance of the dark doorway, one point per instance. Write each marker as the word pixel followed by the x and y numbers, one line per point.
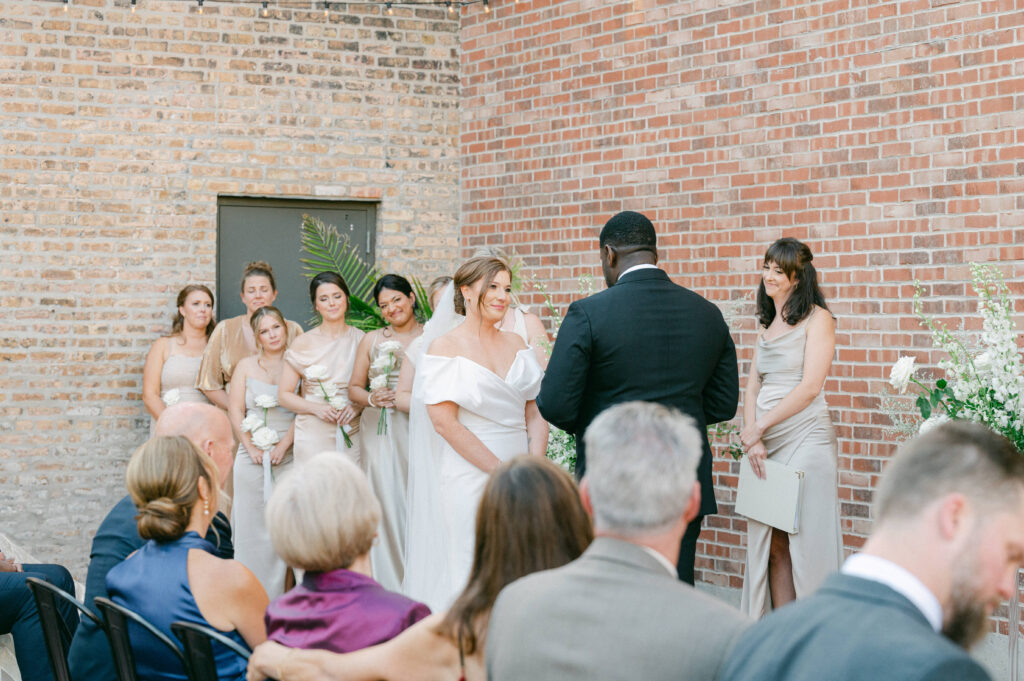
pixel 269 229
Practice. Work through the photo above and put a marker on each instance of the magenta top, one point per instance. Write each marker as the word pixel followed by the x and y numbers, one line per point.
pixel 340 611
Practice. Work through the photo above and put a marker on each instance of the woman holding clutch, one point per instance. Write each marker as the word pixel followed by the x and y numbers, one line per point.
pixel 786 420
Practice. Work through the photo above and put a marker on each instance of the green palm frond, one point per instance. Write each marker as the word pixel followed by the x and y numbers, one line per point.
pixel 425 311
pixel 328 251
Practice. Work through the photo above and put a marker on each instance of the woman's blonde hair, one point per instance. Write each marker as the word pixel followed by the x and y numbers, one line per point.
pixel 257 317
pixel 323 515
pixel 163 481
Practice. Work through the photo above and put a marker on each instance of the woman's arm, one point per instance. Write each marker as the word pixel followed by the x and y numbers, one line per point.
pixel 818 351
pixel 228 595
pixel 236 410
pixel 289 399
pixel 536 430
pixel 403 390
pixel 756 452
pixel 282 447
pixel 155 359
pixel 210 380
pixel 357 392
pixel 445 417
pixel 417 654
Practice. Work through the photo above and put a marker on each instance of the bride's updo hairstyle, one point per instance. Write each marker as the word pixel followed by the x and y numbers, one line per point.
pixel 163 481
pixel 258 268
pixel 794 259
pixel 473 270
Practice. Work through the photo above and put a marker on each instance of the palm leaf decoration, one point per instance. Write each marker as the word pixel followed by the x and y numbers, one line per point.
pixel 328 251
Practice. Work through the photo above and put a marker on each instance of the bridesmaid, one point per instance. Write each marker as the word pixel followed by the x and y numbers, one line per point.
pixel 173 361
pixel 786 419
pixel 254 384
pixel 386 454
pixel 331 349
pixel 233 340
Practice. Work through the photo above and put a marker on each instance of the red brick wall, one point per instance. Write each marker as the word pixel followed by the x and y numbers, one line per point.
pixel 887 135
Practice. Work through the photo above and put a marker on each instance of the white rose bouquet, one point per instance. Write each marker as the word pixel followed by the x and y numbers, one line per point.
pixel 985 387
pixel 265 438
pixel 171 397
pixel 316 373
pixel 385 363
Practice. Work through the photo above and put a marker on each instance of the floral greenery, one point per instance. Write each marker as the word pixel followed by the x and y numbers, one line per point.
pixel 328 251
pixel 985 387
pixel 726 434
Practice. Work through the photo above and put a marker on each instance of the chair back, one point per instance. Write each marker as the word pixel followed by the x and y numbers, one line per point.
pixel 55 630
pixel 200 661
pixel 115 624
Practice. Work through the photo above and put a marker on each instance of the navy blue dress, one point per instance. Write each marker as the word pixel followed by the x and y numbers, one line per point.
pixel 154 583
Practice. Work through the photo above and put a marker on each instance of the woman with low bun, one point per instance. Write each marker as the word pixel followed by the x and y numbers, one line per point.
pixel 233 339
pixel 176 575
pixel 320 364
pixel 172 363
pixel 786 419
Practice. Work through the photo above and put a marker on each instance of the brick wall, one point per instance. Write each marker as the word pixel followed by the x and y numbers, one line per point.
pixel 118 132
pixel 887 135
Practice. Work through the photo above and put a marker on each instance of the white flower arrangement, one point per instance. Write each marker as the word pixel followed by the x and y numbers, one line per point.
pixel 316 372
pixel 984 387
pixel 171 397
pixel 384 364
pixel 378 382
pixel 265 438
pixel 251 422
pixel 265 401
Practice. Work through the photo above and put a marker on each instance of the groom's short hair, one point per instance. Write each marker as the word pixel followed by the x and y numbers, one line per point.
pixel 629 228
pixel 641 465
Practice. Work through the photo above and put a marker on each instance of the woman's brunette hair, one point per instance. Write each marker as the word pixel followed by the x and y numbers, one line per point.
pixel 163 481
pixel 529 519
pixel 258 268
pixel 394 282
pixel 794 259
pixel 472 271
pixel 179 321
pixel 327 278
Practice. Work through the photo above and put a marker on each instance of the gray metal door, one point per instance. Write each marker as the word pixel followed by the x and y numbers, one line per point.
pixel 269 229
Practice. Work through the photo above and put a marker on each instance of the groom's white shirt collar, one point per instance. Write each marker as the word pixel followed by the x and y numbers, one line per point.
pixel 665 563
pixel 898 579
pixel 634 268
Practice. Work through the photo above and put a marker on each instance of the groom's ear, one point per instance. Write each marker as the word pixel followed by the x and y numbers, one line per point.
pixel 610 256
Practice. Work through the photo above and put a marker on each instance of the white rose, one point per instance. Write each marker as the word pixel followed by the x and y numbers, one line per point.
pixel 265 401
pixel 251 422
pixel 338 402
pixel 902 370
pixel 329 388
pixel 316 372
pixel 378 382
pixel 382 364
pixel 265 438
pixel 936 420
pixel 172 397
pixel 390 346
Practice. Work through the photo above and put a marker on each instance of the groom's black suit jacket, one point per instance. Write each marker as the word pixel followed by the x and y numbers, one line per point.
pixel 648 339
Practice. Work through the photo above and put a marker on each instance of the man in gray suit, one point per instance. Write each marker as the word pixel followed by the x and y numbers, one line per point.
pixel 944 552
pixel 619 612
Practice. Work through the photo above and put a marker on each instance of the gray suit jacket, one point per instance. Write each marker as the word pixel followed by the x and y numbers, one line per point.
pixel 851 629
pixel 613 614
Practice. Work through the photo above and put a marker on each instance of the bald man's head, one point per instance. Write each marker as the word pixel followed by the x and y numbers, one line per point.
pixel 206 426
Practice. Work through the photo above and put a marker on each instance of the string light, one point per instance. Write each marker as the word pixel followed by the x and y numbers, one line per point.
pixel 487 6
pixel 200 6
pixel 391 10
pixel 133 6
pixel 65 5
pixel 265 11
pixel 327 7
pixel 450 8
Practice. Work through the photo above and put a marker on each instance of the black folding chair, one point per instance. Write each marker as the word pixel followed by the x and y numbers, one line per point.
pixel 200 662
pixel 55 630
pixel 115 624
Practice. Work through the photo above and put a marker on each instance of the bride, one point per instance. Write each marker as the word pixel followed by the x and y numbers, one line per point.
pixel 472 407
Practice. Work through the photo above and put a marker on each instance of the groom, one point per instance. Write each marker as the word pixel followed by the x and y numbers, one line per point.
pixel 644 338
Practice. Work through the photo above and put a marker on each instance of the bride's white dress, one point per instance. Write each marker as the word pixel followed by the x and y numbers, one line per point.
pixel 493 408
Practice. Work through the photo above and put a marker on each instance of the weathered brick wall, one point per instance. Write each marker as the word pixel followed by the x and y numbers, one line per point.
pixel 887 135
pixel 118 132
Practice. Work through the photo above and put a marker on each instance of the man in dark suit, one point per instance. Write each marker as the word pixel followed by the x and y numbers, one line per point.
pixel 644 338
pixel 118 535
pixel 944 552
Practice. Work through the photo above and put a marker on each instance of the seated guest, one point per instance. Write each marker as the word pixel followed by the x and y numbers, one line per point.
pixel 944 551
pixel 19 617
pixel 176 575
pixel 208 429
pixel 323 519
pixel 530 518
pixel 619 611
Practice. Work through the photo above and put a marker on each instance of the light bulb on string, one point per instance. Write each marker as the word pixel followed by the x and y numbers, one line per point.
pixel 391 10
pixel 487 7
pixel 65 5
pixel 133 6
pixel 200 6
pixel 450 8
pixel 265 11
pixel 327 8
